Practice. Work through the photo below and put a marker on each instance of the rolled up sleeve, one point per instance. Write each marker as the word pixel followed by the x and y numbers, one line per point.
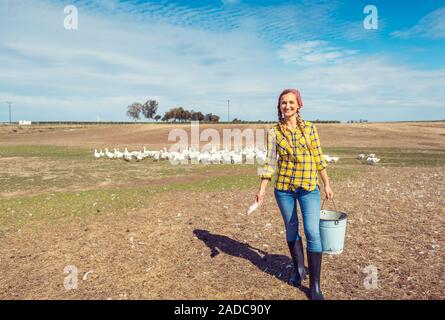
pixel 317 151
pixel 267 170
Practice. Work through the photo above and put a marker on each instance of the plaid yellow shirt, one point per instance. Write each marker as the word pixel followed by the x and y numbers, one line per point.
pixel 297 167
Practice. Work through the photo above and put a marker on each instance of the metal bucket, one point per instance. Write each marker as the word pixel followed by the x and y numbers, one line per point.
pixel 332 230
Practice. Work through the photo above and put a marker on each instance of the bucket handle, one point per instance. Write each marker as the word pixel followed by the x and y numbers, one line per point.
pixel 335 207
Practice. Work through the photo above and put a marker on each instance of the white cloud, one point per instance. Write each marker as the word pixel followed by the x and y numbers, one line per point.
pixel 430 26
pixel 111 61
pixel 372 87
pixel 313 52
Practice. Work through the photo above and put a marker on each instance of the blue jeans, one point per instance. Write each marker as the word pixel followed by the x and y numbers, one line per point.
pixel 310 209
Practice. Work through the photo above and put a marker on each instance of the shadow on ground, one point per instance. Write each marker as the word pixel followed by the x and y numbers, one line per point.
pixel 272 264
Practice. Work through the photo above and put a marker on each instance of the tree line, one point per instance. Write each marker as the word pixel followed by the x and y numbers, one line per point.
pixel 149 111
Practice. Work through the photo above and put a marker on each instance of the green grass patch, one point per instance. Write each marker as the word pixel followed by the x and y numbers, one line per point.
pixel 45 151
pixel 19 211
pixel 170 170
pixel 339 174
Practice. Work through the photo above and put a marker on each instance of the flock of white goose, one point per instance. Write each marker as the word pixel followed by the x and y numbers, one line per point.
pixel 370 158
pixel 237 156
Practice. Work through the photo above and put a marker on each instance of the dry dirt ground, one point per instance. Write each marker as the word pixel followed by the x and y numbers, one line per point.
pixel 423 135
pixel 201 244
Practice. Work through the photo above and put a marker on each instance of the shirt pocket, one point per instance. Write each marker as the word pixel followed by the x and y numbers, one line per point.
pixel 302 145
pixel 282 145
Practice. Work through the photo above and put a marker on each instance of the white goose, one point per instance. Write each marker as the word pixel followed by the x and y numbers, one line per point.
pixel 372 160
pixel 334 159
pixel 118 154
pixel 164 154
pixel 237 158
pixel 146 153
pixel 227 158
pixel 127 155
pixel 139 157
pixel 109 155
pixel 261 157
pixel 96 154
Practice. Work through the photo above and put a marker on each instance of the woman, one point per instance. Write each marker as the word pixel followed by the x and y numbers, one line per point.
pixel 296 144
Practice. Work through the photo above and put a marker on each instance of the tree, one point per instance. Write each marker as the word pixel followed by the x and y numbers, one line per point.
pixel 134 110
pixel 157 118
pixel 166 117
pixel 197 116
pixel 200 116
pixel 211 117
pixel 187 115
pixel 179 114
pixel 176 114
pixel 149 108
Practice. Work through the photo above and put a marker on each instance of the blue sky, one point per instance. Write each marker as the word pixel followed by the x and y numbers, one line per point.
pixel 198 54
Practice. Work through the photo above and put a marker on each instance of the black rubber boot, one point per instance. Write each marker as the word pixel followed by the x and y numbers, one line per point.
pixel 314 261
pixel 297 255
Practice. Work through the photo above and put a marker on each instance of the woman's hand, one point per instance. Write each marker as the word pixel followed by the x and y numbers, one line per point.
pixel 259 197
pixel 328 191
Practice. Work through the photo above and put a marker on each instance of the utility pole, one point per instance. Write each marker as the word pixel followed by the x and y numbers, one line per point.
pixel 228 110
pixel 9 102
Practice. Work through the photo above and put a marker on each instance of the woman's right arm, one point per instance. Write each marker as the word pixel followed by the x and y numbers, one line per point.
pixel 259 197
pixel 269 167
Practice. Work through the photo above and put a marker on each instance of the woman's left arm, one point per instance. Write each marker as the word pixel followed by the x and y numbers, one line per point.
pixel 320 162
pixel 326 187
